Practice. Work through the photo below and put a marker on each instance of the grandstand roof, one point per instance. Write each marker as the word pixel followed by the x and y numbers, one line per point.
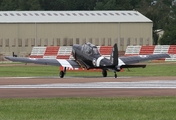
pixel 71 16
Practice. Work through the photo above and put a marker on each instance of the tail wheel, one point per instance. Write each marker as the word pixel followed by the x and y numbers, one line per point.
pixel 104 72
pixel 62 74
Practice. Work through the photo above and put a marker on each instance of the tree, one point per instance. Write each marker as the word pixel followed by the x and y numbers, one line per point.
pixel 55 4
pixel 34 4
pixel 82 4
pixel 159 12
pixel 117 4
pixel 22 5
pixel 8 5
pixel 99 5
pixel 135 3
pixel 169 37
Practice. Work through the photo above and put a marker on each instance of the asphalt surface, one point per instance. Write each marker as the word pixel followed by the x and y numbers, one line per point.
pixel 44 87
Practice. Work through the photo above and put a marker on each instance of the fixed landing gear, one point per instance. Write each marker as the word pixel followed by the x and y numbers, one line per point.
pixel 104 73
pixel 115 74
pixel 62 73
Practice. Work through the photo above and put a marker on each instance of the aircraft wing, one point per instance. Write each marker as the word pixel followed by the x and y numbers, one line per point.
pixel 46 61
pixel 140 58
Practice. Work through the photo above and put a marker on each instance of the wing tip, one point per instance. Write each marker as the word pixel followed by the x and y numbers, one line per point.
pixel 6 57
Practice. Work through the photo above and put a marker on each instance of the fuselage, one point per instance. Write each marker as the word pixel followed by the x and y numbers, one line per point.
pixel 88 54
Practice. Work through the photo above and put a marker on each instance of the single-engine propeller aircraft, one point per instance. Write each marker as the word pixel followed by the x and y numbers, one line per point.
pixel 87 56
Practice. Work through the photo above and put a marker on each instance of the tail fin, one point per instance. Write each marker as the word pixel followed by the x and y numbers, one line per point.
pixel 114 55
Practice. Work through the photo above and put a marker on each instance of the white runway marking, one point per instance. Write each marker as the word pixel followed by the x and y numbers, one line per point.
pixel 136 85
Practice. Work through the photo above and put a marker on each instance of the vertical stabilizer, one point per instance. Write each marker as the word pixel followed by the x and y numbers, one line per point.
pixel 114 55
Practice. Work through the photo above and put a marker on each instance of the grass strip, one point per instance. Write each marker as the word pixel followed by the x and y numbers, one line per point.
pixel 140 108
pixel 27 70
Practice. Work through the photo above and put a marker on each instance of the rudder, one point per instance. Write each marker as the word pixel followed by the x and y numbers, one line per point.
pixel 114 55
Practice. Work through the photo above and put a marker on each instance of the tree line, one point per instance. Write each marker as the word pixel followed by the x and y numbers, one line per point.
pixel 161 12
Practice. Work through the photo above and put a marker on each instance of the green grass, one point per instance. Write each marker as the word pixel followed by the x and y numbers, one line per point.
pixel 23 71
pixel 128 108
pixel 150 70
pixel 150 108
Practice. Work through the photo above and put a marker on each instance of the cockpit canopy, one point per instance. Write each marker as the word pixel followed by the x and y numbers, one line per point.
pixel 90 49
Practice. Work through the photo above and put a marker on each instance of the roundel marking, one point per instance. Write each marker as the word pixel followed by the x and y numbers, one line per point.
pixel 99 60
pixel 94 62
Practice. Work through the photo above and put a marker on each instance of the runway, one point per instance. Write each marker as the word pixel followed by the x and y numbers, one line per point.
pixel 169 84
pixel 44 87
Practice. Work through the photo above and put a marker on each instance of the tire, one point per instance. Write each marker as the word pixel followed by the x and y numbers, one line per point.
pixel 61 74
pixel 115 75
pixel 104 73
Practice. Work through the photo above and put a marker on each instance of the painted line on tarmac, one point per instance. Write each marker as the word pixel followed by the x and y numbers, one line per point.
pixel 169 84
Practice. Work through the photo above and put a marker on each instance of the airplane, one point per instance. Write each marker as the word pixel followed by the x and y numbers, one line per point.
pixel 88 56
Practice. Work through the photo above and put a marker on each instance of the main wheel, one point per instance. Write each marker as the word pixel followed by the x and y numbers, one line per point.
pixel 104 72
pixel 62 74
